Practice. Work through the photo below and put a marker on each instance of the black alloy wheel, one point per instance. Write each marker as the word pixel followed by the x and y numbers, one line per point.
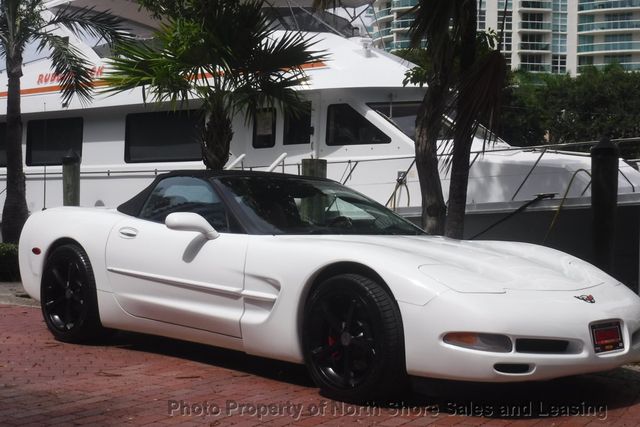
pixel 68 296
pixel 353 340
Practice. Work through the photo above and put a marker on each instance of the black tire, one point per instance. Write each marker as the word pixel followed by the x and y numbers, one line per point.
pixel 353 340
pixel 68 296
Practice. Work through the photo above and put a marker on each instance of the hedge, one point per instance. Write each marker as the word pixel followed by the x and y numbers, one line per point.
pixel 9 271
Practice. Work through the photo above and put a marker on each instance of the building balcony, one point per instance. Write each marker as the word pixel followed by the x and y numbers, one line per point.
pixel 608 47
pixel 535 47
pixel 402 24
pixel 382 33
pixel 627 66
pixel 535 67
pixel 403 4
pixel 400 44
pixel 535 5
pixel 384 15
pixel 534 26
pixel 605 5
pixel 608 26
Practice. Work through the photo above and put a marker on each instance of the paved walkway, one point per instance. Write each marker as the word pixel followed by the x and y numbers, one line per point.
pixel 136 379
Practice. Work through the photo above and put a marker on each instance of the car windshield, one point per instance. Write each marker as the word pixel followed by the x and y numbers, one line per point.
pixel 302 206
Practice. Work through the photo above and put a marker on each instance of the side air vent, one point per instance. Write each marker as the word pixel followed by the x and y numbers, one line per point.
pixel 541 346
pixel 512 368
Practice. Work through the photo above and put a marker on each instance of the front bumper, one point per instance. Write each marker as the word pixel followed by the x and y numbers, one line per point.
pixel 543 315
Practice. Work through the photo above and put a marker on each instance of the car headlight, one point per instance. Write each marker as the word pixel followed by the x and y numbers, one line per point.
pixel 477 341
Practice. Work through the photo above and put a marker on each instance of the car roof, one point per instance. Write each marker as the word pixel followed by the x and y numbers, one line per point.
pixel 134 205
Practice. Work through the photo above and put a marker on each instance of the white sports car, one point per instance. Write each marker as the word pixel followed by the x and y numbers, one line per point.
pixel 308 271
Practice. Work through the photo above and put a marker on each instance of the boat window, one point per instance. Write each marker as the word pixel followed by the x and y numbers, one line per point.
pixel 163 136
pixel 185 194
pixel 297 129
pixel 264 129
pixel 345 126
pixel 401 114
pixel 309 19
pixel 48 141
pixel 3 144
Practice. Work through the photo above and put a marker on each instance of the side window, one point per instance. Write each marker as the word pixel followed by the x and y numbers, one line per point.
pixel 163 136
pixel 345 126
pixel 297 130
pixel 264 129
pixel 185 194
pixel 48 141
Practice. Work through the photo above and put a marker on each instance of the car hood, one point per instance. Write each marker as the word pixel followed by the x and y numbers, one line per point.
pixel 481 266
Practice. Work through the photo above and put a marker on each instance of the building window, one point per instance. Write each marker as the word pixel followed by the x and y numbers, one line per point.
pixel 345 126
pixel 507 18
pixel 559 64
pixel 264 128
pixel 297 129
pixel 482 16
pixel 559 5
pixel 614 38
pixel 617 59
pixel 48 141
pixel 501 4
pixel 163 136
pixel 559 43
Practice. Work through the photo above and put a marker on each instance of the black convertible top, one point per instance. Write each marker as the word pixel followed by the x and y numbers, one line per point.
pixel 134 205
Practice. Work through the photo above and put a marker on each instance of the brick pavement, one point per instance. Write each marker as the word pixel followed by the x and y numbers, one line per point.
pixel 137 379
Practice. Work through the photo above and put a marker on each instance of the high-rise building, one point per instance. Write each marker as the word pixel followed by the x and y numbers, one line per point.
pixel 556 36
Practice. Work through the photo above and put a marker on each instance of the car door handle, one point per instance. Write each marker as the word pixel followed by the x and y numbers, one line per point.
pixel 128 232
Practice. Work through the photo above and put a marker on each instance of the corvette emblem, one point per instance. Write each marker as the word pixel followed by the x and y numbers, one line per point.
pixel 587 298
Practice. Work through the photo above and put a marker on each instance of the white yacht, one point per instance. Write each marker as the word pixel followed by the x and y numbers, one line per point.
pixel 361 121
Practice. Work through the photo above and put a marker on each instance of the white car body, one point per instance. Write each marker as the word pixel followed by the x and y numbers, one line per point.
pixel 247 291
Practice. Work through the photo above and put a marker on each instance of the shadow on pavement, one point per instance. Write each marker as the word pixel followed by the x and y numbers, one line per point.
pixel 223 358
pixel 592 395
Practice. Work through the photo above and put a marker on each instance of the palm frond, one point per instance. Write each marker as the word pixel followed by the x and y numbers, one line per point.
pixel 99 24
pixel 73 69
pixel 138 65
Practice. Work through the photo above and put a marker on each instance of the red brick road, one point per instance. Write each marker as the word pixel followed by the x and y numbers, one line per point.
pixel 137 379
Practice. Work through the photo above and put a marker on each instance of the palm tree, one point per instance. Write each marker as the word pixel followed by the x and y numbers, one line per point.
pixel 23 23
pixel 461 84
pixel 223 52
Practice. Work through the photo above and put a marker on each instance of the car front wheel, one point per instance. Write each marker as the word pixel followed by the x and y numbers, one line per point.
pixel 68 296
pixel 353 340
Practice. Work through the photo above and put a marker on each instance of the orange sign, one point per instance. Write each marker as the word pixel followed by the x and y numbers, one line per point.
pixel 51 78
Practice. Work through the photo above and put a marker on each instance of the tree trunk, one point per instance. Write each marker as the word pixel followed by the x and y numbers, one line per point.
pixel 428 125
pixel 15 211
pixel 463 137
pixel 216 136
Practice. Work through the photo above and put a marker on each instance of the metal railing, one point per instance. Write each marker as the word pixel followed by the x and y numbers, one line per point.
pixel 350 166
pixel 583 7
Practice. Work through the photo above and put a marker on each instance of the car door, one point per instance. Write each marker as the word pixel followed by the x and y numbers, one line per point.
pixel 179 277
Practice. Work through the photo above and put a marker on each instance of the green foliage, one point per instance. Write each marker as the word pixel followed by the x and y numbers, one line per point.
pixel 222 52
pixel 23 22
pixel 597 103
pixel 9 271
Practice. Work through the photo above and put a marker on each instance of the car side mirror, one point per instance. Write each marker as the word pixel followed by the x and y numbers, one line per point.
pixel 189 221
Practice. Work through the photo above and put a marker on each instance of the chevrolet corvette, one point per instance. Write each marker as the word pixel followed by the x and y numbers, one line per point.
pixel 306 270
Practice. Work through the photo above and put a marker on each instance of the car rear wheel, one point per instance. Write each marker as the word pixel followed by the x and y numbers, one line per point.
pixel 68 296
pixel 353 340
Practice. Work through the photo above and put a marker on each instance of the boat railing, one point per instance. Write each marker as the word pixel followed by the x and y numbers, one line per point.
pixel 276 162
pixel 350 166
pixel 237 161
